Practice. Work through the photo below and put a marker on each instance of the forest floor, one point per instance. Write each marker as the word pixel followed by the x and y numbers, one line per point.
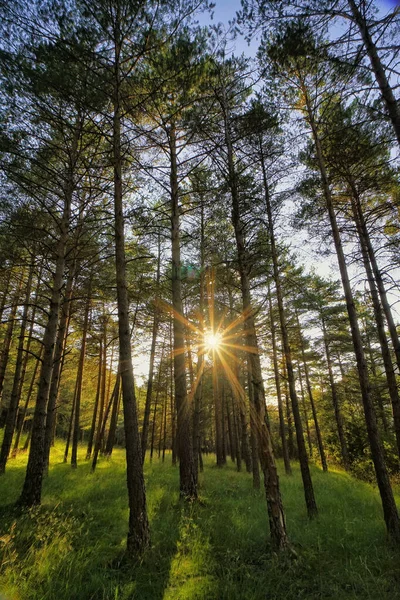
pixel 72 546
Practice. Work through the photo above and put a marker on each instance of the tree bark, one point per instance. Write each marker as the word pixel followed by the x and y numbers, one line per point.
pixel 276 514
pixel 285 451
pixel 79 378
pixel 311 504
pixel 388 503
pixel 14 400
pixel 388 97
pixel 156 322
pixel 188 479
pixel 138 531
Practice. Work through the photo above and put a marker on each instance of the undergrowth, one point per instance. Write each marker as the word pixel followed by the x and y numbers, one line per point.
pixel 72 546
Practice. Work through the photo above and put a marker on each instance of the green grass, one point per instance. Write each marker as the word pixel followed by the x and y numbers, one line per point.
pixel 72 547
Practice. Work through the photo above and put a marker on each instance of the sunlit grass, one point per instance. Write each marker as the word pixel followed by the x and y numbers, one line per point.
pixel 72 547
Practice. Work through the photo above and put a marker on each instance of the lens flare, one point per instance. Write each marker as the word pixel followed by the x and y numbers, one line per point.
pixel 212 340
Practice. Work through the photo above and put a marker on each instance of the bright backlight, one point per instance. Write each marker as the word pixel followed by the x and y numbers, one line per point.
pixel 212 340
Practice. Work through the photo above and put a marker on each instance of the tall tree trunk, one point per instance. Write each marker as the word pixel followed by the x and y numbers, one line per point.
pixel 21 416
pixel 59 354
pixel 218 413
pixel 103 424
pixel 335 399
pixel 79 378
pixel 9 332
pixel 380 325
pixel 305 412
pixel 114 419
pixel 285 451
pixel 198 393
pixel 14 400
pixel 32 488
pixel 303 459
pixel 153 426
pixel 388 503
pixel 188 479
pixel 380 284
pixel 253 432
pixel 156 322
pixel 138 531
pixel 26 404
pixel 96 403
pixel 276 514
pixel 70 425
pixel 392 105
pixel 311 398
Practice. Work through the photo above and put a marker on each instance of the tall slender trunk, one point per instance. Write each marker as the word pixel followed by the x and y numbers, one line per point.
pixel 9 332
pixel 303 459
pixel 14 399
pixel 21 416
pixel 79 378
pixel 387 94
pixel 32 488
pixel 218 414
pixel 103 424
pixel 305 412
pixel 335 399
pixel 253 432
pixel 378 396
pixel 156 322
pixel 188 479
pixel 5 293
pixel 285 451
pixel 311 398
pixel 138 530
pixel 276 514
pixel 59 354
pixel 380 324
pixel 96 403
pixel 70 425
pixel 173 407
pixel 158 387
pixel 388 503
pixel 26 404
pixel 380 284
pixel 200 356
pixel 114 419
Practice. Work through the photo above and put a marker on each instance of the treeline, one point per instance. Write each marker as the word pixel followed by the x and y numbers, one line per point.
pixel 151 184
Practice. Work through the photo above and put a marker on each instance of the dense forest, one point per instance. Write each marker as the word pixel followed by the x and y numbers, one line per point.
pixel 199 284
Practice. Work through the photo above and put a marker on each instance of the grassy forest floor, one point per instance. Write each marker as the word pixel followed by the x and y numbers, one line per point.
pixel 71 547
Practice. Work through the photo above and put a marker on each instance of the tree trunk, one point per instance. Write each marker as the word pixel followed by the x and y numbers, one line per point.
pixel 276 514
pixel 311 398
pixel 388 97
pixel 335 400
pixel 79 378
pixel 188 485
pixel 311 504
pixel 305 413
pixel 59 354
pixel 96 403
pixel 114 419
pixel 9 332
pixel 285 452
pixel 14 400
pixel 138 532
pixel 380 284
pixel 388 503
pixel 380 326
pixel 32 488
pixel 156 321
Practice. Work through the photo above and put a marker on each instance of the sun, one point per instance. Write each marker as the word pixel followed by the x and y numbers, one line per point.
pixel 212 341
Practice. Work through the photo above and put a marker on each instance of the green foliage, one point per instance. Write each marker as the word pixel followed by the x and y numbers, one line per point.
pixel 72 546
